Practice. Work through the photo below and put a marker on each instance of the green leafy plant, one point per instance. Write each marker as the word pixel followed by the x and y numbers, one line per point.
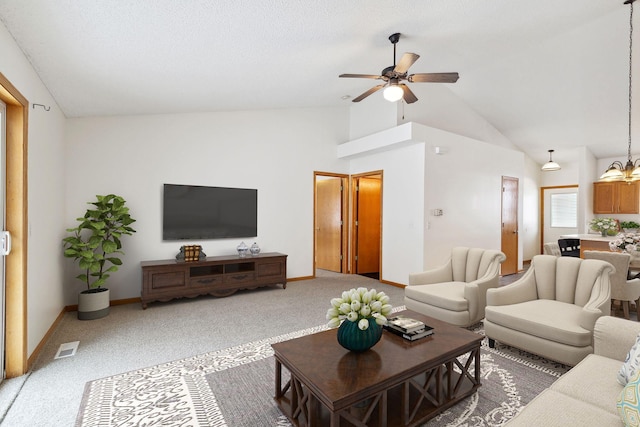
pixel 95 243
pixel 629 224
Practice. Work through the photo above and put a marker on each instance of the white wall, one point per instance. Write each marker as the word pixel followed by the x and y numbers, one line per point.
pixel 438 107
pixel 275 151
pixel 46 176
pixel 529 231
pixel 402 207
pixel 464 181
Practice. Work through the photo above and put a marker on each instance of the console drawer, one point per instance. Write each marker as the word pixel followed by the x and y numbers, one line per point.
pixel 243 277
pixel 200 281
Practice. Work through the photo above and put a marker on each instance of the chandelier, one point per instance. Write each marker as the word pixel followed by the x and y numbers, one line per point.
pixel 616 170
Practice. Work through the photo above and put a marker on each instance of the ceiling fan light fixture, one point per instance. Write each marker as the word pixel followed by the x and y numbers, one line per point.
pixel 393 92
pixel 550 165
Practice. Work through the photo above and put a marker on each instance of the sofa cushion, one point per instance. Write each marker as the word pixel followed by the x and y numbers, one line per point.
pixel 631 363
pixel 552 408
pixel 594 372
pixel 628 403
pixel 448 295
pixel 548 319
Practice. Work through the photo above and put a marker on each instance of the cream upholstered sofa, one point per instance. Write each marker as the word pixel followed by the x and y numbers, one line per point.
pixel 456 291
pixel 552 309
pixel 587 394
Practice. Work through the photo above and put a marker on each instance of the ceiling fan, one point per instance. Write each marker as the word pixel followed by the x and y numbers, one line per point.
pixel 394 90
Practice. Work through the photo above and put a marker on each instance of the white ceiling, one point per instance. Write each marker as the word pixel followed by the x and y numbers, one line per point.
pixel 545 73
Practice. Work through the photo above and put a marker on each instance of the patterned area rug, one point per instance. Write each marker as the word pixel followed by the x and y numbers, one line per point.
pixel 234 387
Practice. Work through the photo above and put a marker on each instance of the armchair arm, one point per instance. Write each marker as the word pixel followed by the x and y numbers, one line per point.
pixel 523 289
pixel 476 292
pixel 599 303
pixel 440 274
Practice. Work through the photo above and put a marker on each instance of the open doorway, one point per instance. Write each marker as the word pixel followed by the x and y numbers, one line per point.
pixel 367 224
pixel 330 222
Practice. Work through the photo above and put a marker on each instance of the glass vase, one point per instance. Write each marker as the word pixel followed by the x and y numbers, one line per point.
pixel 354 339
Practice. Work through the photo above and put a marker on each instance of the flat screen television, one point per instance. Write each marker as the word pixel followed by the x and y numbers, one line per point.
pixel 193 212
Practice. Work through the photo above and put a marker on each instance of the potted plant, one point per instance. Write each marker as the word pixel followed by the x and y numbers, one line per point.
pixel 96 246
pixel 630 226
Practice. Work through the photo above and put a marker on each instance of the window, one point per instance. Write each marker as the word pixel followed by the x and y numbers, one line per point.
pixel 564 210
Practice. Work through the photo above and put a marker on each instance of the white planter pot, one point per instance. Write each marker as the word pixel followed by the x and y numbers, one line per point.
pixel 93 304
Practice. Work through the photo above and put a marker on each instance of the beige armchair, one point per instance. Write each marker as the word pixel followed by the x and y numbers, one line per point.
pixel 552 309
pixel 551 248
pixel 456 291
pixel 622 290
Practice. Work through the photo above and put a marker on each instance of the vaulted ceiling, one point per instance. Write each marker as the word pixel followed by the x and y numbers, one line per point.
pixel 545 73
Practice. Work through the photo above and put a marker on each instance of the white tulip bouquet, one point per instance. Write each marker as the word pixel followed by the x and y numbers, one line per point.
pixel 359 305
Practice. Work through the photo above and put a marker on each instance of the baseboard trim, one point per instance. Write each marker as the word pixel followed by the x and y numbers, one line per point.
pixel 295 279
pixel 397 285
pixel 43 341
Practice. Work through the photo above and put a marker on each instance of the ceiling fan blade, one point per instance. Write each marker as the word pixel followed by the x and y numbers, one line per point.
pixel 405 62
pixel 367 93
pixel 409 97
pixel 361 76
pixel 434 77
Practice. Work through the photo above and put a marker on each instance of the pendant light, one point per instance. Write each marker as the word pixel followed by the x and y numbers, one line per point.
pixel 550 165
pixel 616 170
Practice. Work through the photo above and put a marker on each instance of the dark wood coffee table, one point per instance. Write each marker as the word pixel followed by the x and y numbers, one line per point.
pixel 396 383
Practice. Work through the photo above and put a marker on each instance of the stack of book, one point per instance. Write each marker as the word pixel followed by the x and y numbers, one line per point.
pixel 408 328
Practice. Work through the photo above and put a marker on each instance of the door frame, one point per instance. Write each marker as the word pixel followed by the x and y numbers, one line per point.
pixel 16 361
pixel 346 182
pixel 353 198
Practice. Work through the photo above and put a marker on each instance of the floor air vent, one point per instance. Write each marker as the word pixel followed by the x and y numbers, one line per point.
pixel 67 350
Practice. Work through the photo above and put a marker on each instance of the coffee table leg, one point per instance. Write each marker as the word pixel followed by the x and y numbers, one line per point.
pixel 278 379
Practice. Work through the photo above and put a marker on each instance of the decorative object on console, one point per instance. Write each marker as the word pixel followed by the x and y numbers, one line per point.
pixel 550 165
pixel 616 170
pixel 606 226
pixel 94 244
pixel 191 253
pixel 243 249
pixel 254 249
pixel 360 314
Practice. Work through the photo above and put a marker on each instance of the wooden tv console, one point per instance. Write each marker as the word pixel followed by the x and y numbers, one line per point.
pixel 220 276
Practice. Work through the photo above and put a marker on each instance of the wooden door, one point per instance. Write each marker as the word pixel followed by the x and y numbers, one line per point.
pixel 509 240
pixel 329 223
pixel 368 209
